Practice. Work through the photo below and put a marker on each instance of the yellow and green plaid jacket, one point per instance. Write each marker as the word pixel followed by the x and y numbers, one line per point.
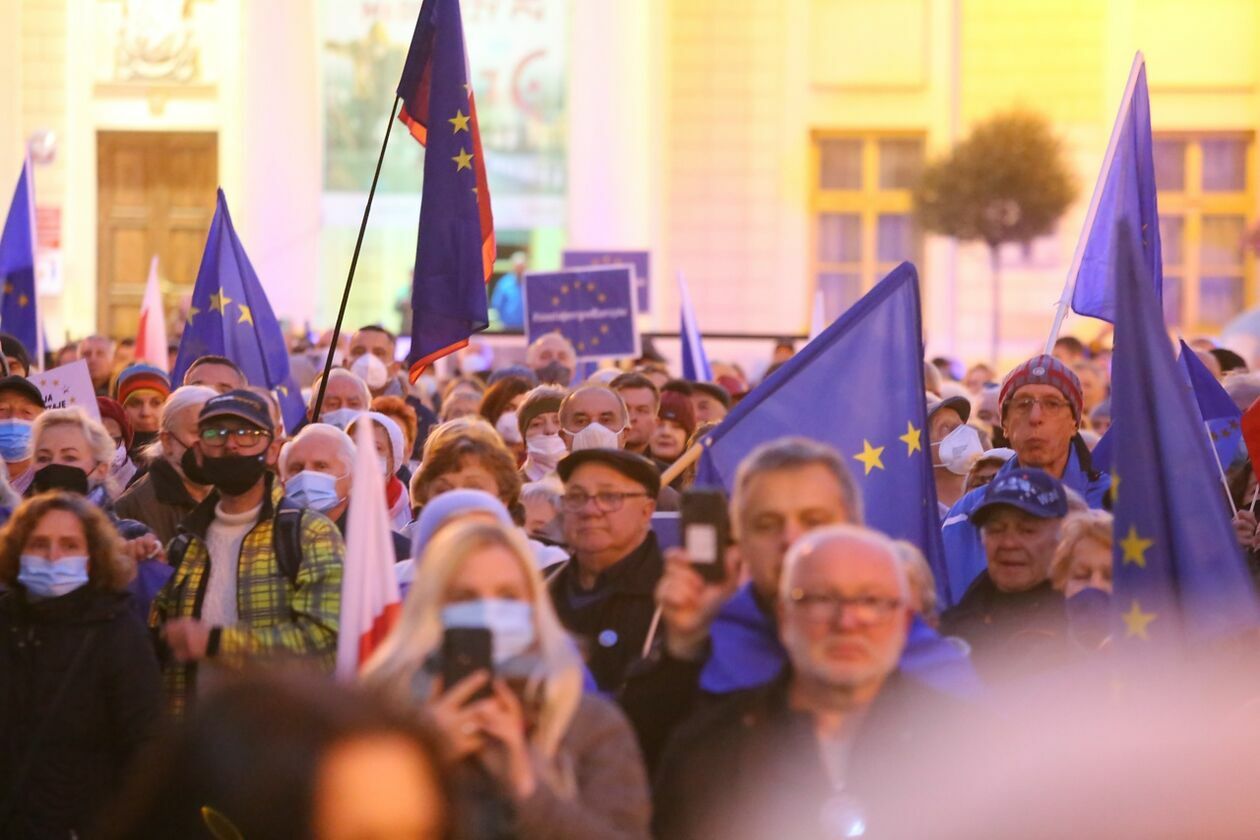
pixel 276 618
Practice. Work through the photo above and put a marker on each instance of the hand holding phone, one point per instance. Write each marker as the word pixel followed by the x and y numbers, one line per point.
pixel 706 532
pixel 466 650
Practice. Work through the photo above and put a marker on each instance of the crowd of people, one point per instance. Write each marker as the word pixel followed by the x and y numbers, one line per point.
pixel 171 584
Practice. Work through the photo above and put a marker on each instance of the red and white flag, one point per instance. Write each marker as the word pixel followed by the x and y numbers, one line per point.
pixel 370 602
pixel 151 336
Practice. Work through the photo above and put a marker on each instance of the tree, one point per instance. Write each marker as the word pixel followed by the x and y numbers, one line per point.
pixel 1007 181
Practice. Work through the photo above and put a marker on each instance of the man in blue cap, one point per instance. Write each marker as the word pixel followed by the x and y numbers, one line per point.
pixel 1011 615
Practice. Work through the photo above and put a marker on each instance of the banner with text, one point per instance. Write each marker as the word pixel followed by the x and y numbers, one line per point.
pixel 640 260
pixel 594 308
pixel 68 386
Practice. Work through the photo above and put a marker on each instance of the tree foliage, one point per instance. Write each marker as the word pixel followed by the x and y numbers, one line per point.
pixel 1007 181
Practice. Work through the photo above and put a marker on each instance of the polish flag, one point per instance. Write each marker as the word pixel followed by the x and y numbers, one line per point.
pixel 151 336
pixel 370 602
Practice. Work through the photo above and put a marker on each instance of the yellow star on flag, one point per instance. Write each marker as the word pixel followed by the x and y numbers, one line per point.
pixel 459 122
pixel 603 328
pixel 463 160
pixel 283 389
pixel 218 300
pixel 23 300
pixel 8 288
pixel 564 290
pixel 1135 621
pixel 870 457
pixel 1135 547
pixel 555 301
pixel 1115 486
pixel 193 312
pixel 595 341
pixel 247 317
pixel 913 439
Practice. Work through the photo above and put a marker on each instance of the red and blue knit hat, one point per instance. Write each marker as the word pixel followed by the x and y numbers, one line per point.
pixel 1043 370
pixel 141 377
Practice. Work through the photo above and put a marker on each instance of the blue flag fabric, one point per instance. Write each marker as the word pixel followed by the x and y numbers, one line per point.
pixel 230 316
pixel 1127 191
pixel 695 362
pixel 1179 573
pixel 455 245
pixel 19 306
pixel 1221 416
pixel 858 386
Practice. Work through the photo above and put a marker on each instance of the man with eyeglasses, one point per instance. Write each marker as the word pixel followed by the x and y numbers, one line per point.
pixel 256 577
pixel 1040 405
pixel 603 595
pixel 1011 616
pixel 828 747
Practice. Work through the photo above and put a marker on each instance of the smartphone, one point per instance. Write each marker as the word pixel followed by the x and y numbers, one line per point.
pixel 466 650
pixel 706 532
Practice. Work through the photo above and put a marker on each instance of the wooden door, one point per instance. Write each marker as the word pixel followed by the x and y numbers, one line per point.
pixel 155 195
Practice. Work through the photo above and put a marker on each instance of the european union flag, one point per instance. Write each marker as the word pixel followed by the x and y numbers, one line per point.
pixel 1125 190
pixel 1179 574
pixel 592 307
pixel 858 386
pixel 695 363
pixel 230 316
pixel 455 245
pixel 19 306
pixel 1221 417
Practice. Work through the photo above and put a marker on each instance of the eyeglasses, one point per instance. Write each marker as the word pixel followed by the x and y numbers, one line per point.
pixel 1049 405
pixel 867 610
pixel 606 500
pixel 216 438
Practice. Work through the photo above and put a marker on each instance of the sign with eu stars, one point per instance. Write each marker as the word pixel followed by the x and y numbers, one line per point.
pixel 639 260
pixel 594 308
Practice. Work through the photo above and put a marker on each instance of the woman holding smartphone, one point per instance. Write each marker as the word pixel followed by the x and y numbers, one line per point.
pixel 536 756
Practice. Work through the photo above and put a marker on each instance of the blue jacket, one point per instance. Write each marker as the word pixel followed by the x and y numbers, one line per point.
pixel 964 553
pixel 506 300
pixel 746 652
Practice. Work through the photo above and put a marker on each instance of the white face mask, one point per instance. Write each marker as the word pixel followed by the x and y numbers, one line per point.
pixel 508 427
pixel 959 449
pixel 341 418
pixel 120 458
pixel 384 465
pixel 596 436
pixel 546 450
pixel 371 370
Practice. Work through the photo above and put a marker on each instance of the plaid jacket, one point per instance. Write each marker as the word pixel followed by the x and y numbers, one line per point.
pixel 276 618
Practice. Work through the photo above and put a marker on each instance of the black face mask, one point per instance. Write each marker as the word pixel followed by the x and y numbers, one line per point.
pixel 59 477
pixel 140 440
pixel 554 373
pixel 233 475
pixel 191 469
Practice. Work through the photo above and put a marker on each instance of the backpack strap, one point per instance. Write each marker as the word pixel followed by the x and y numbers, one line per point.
pixel 287 538
pixel 177 548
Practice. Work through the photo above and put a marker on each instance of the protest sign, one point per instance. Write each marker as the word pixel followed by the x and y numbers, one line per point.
pixel 640 260
pixel 592 307
pixel 68 386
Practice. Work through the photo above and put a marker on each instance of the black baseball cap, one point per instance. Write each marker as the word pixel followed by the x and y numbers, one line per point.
pixel 1035 492
pixel 23 386
pixel 242 404
pixel 634 467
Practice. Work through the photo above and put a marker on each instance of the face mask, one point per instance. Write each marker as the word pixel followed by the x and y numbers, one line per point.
pixel 191 469
pixel 371 370
pixel 15 439
pixel 383 464
pixel 233 475
pixel 60 477
pixel 314 490
pixel 546 450
pixel 142 439
pixel 511 623
pixel 596 436
pixel 959 449
pixel 120 458
pixel 1089 617
pixel 52 579
pixel 554 373
pixel 341 418
pixel 508 427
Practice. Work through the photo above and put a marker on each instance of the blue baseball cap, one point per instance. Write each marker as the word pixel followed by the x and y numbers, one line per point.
pixel 1035 492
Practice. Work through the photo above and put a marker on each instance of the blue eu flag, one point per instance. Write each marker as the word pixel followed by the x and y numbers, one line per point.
pixel 1125 190
pixel 1221 417
pixel 19 315
pixel 230 316
pixel 695 362
pixel 1179 573
pixel 858 386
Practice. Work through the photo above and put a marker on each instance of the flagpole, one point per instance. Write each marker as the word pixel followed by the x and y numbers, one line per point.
pixel 1069 285
pixel 354 262
pixel 1220 468
pixel 680 466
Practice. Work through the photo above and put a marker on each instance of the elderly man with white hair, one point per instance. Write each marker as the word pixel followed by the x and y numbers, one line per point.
pixel 812 753
pixel 316 466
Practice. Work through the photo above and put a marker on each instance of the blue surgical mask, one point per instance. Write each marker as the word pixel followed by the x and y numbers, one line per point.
pixel 52 578
pixel 15 439
pixel 314 490
pixel 511 623
pixel 341 418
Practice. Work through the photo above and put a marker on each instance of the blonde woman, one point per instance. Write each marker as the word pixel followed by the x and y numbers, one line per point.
pixel 1082 559
pixel 538 757
pixel 72 452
